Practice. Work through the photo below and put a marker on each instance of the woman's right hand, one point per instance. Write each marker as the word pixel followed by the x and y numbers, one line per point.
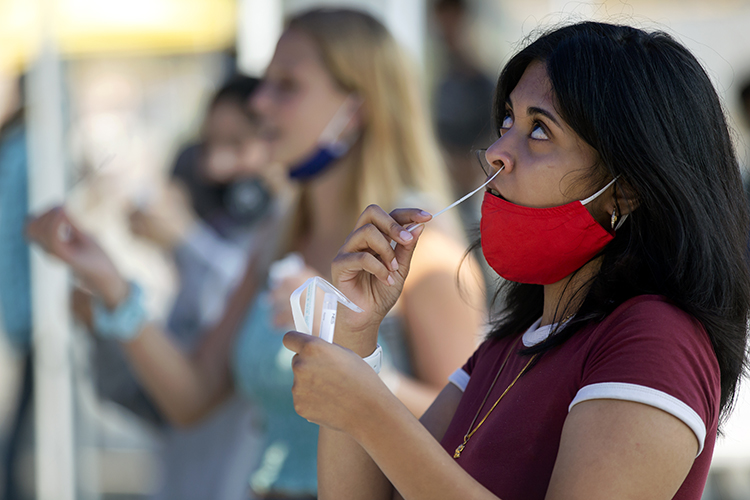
pixel 56 234
pixel 371 273
pixel 167 220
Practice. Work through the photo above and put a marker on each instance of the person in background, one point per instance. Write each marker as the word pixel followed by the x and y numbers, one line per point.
pixel 615 211
pixel 341 109
pixel 206 218
pixel 463 104
pixel 15 273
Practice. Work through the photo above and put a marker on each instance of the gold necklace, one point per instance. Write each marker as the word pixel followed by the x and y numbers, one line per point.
pixel 471 432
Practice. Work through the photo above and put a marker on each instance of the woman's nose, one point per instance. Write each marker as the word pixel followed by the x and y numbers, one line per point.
pixel 259 100
pixel 498 155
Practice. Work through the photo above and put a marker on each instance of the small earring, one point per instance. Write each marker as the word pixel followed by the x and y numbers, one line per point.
pixel 613 220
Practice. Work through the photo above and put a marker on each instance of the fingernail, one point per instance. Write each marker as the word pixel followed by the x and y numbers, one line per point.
pixel 390 280
pixel 394 264
pixel 406 236
pixel 425 214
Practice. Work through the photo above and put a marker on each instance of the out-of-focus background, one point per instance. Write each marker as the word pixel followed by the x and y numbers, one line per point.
pixel 113 90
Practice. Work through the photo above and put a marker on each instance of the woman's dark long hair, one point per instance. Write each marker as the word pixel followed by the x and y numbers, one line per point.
pixel 646 105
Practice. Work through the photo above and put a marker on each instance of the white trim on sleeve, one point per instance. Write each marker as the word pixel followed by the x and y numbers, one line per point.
pixel 460 379
pixel 647 396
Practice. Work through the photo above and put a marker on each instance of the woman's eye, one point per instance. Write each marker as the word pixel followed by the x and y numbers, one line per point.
pixel 286 86
pixel 507 122
pixel 280 85
pixel 538 133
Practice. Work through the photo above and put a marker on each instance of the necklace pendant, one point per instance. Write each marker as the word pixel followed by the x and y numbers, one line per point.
pixel 459 450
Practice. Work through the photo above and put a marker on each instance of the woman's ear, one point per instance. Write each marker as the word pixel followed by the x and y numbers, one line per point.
pixel 624 198
pixel 621 201
pixel 617 201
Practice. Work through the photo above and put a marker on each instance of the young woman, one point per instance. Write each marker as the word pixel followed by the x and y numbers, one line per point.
pixel 340 107
pixel 621 343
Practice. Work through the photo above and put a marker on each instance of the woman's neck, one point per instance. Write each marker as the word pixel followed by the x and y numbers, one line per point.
pixel 328 210
pixel 328 213
pixel 563 299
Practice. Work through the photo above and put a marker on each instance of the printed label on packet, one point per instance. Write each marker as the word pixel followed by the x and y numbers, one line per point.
pixel 303 322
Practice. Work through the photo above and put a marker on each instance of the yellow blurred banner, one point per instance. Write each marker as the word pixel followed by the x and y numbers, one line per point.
pixel 96 27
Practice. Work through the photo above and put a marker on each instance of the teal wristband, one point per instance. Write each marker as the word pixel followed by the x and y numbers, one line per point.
pixel 125 322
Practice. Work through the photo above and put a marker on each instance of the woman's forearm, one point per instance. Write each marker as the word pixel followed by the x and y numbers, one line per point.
pixel 411 459
pixel 345 470
pixel 390 454
pixel 415 394
pixel 188 387
pixel 183 392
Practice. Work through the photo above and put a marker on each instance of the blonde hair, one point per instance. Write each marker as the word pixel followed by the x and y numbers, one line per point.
pixel 396 154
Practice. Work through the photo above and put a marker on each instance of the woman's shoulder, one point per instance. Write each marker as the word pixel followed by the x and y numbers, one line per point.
pixel 440 261
pixel 650 346
pixel 651 312
pixel 447 224
pixel 436 247
pixel 652 328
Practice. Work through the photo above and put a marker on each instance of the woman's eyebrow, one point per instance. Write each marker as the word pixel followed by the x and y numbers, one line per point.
pixel 535 110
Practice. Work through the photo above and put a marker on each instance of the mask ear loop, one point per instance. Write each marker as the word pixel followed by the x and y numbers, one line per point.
pixel 331 135
pixel 598 193
pixel 617 205
pixel 622 219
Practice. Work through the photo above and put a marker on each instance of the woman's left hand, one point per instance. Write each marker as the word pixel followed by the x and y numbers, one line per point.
pixel 333 386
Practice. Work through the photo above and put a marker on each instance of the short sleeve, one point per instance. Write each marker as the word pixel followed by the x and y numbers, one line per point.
pixel 474 359
pixel 460 377
pixel 653 353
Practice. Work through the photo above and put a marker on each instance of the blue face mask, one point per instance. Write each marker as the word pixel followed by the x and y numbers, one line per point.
pixel 330 145
pixel 320 159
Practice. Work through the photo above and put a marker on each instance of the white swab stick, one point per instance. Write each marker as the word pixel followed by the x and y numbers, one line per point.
pixel 457 202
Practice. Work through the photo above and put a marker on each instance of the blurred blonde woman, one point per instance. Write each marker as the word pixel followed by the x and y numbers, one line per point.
pixel 340 107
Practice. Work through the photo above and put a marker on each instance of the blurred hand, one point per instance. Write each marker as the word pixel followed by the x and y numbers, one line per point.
pixel 333 386
pixel 80 301
pixel 282 308
pixel 371 273
pixel 54 232
pixel 166 221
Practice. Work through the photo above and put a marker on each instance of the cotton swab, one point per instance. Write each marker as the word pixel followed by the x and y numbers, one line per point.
pixel 458 202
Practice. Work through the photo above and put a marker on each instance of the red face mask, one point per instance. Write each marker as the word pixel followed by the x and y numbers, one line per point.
pixel 540 245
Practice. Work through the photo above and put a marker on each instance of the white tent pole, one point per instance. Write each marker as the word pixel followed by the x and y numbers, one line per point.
pixel 407 20
pixel 53 394
pixel 259 27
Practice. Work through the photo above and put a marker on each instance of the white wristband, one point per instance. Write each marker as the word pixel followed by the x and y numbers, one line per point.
pixel 375 360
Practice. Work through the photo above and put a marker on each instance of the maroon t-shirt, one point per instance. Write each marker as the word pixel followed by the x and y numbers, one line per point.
pixel 647 351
